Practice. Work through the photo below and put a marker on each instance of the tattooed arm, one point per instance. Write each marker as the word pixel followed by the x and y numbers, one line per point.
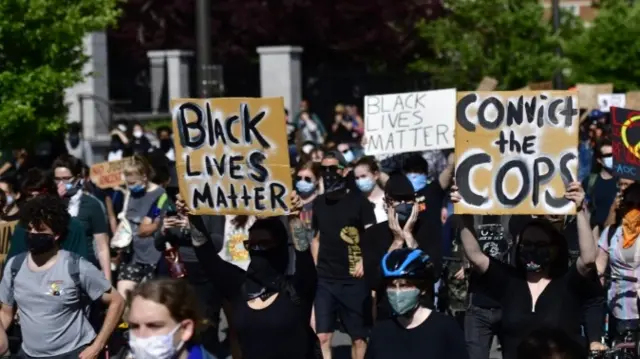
pixel 305 277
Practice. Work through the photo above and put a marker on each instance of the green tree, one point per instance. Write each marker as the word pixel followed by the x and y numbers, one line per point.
pixel 506 39
pixel 608 50
pixel 41 55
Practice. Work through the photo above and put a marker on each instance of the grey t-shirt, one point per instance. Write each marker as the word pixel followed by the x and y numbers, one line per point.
pixel 52 319
pixel 144 250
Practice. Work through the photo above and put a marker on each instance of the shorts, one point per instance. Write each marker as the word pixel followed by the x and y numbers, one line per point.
pixel 136 272
pixel 349 301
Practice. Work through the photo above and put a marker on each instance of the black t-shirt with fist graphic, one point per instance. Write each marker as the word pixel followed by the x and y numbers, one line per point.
pixel 495 240
pixel 340 224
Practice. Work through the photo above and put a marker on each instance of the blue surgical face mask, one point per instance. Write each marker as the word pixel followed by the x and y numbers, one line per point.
pixel 403 210
pixel 68 186
pixel 304 187
pixel 9 200
pixel 348 156
pixel 418 181
pixel 365 184
pixel 608 162
pixel 137 188
pixel 403 300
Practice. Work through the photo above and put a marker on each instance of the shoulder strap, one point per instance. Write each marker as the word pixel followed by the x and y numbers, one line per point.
pixel 125 206
pixel 591 182
pixel 611 231
pixel 16 264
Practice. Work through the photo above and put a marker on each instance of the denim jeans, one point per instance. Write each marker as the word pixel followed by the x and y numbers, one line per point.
pixel 480 325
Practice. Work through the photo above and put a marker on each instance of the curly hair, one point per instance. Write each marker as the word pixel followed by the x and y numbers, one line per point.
pixel 46 210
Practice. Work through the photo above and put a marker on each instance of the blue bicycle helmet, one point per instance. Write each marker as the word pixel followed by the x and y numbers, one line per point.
pixel 405 263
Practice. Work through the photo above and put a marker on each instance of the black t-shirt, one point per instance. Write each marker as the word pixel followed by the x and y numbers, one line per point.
pixel 439 336
pixel 568 228
pixel 602 196
pixel 341 224
pixel 558 306
pixel 375 244
pixel 495 242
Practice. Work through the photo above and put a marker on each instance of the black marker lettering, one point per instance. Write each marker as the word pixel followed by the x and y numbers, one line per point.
pixel 228 129
pixel 258 198
pixel 189 171
pixel 540 178
pixel 482 119
pixel 461 112
pixel 235 168
pixel 499 180
pixel 527 144
pixel 255 162
pixel 186 140
pixel 249 126
pixel 463 178
pixel 204 197
pixel 278 193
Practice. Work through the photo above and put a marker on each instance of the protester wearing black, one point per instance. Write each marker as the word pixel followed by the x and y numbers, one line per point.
pixel 415 331
pixel 271 310
pixel 601 186
pixel 406 227
pixel 540 290
pixel 483 318
pixel 339 219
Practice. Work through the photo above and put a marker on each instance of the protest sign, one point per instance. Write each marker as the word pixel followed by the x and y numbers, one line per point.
pixel 109 174
pixel 588 94
pixel 605 101
pixel 6 231
pixel 547 85
pixel 626 142
pixel 232 155
pixel 632 99
pixel 407 122
pixel 516 151
pixel 487 84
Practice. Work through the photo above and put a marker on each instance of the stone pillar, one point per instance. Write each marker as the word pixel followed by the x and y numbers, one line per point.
pixel 158 74
pixel 89 100
pixel 169 69
pixel 281 74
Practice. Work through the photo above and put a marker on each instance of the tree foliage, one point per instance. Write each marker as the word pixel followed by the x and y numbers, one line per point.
pixel 506 39
pixel 609 50
pixel 41 55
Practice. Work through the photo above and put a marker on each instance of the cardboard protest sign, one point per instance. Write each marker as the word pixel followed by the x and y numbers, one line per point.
pixel 632 99
pixel 487 84
pixel 6 231
pixel 626 142
pixel 406 122
pixel 516 151
pixel 547 85
pixel 109 174
pixel 232 155
pixel 605 101
pixel 588 94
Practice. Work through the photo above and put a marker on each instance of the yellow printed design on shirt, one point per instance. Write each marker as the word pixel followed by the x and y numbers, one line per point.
pixel 235 246
pixel 351 236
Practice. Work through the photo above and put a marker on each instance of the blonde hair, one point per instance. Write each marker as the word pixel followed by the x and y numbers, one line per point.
pixel 140 166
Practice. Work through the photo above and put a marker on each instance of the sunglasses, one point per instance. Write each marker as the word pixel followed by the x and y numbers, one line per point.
pixel 328 169
pixel 304 178
pixel 257 246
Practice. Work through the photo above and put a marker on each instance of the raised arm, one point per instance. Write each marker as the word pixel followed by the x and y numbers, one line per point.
pixel 446 176
pixel 228 278
pixel 470 245
pixel 305 276
pixel 588 249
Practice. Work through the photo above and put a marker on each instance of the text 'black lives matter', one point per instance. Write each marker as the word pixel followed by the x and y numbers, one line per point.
pixel 539 112
pixel 206 130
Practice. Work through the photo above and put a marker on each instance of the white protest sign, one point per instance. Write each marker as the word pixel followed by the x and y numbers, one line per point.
pixel 611 100
pixel 408 122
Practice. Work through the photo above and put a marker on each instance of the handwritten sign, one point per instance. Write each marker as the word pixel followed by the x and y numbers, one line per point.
pixel 626 142
pixel 588 94
pixel 413 121
pixel 109 174
pixel 632 99
pixel 6 231
pixel 605 101
pixel 232 155
pixel 487 84
pixel 516 151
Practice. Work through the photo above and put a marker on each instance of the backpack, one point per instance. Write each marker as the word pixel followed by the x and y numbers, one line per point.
pixel 124 234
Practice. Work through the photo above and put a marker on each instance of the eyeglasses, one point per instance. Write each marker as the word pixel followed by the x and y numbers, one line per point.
pixel 304 178
pixel 331 169
pixel 257 246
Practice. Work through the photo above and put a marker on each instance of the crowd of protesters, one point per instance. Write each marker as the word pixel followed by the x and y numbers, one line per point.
pixel 369 248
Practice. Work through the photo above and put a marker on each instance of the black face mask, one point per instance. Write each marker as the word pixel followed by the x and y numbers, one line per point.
pixel 265 271
pixel 74 139
pixel 333 182
pixel 404 211
pixel 535 259
pixel 39 243
pixel 166 144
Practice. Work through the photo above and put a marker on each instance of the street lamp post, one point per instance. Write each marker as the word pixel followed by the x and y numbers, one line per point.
pixel 555 8
pixel 203 47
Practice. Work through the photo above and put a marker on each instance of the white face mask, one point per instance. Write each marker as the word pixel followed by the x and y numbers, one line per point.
pixel 137 133
pixel 155 347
